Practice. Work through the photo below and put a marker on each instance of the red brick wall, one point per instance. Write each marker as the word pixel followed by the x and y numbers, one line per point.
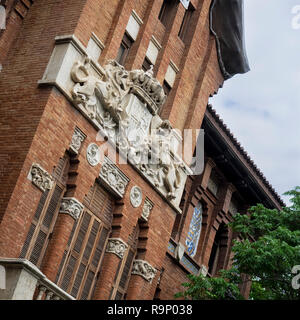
pixel 171 279
pixel 37 123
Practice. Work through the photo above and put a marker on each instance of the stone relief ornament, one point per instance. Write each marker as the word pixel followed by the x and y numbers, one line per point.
pixel 40 177
pixel 113 177
pixel 179 251
pixel 148 206
pixel 93 154
pixel 143 269
pixel 165 169
pixel 77 139
pixel 116 246
pixel 136 196
pixel 71 206
pixel 124 105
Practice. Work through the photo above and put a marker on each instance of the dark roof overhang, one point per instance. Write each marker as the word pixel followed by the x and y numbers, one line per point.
pixel 235 163
pixel 227 25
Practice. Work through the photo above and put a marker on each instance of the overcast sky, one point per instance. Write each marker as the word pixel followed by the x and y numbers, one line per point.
pixel 262 107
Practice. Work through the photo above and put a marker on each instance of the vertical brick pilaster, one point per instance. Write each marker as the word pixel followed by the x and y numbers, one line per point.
pixel 140 289
pixel 106 277
pixel 57 245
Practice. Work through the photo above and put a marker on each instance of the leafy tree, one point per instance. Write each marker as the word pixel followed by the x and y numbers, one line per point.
pixel 224 287
pixel 268 250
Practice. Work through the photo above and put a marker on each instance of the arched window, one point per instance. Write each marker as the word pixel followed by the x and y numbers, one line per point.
pixel 218 251
pixel 194 232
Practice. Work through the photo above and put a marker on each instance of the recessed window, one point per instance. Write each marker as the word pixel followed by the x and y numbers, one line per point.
pixel 146 64
pixel 218 251
pixel 183 31
pixel 124 49
pixel 167 88
pixel 165 10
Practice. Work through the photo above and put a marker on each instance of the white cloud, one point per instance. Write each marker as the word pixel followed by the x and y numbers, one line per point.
pixel 262 107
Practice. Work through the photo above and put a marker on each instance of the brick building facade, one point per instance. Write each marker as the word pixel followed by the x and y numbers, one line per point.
pixel 74 224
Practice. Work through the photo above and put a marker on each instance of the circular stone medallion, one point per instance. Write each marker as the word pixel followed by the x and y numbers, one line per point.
pixel 136 196
pixel 93 154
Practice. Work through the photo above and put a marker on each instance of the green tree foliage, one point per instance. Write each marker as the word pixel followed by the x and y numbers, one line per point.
pixel 268 250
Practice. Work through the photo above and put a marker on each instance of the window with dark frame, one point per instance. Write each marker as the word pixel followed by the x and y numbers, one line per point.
pixel 218 250
pixel 165 10
pixel 81 262
pixel 167 88
pixel 122 277
pixel 124 49
pixel 146 64
pixel 45 216
pixel 183 31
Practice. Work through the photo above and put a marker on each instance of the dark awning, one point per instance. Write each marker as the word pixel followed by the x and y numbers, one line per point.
pixel 227 24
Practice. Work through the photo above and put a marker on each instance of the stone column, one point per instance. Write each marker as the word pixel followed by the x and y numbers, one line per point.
pixel 70 211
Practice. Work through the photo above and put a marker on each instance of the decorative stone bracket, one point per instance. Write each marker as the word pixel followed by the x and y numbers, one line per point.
pixel 147 208
pixel 113 178
pixel 72 207
pixel 116 246
pixel 40 177
pixel 77 139
pixel 143 269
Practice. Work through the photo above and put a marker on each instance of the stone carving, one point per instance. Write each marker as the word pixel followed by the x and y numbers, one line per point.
pixel 164 170
pixel 93 154
pixel 110 90
pixel 40 177
pixel 148 89
pixel 113 177
pixel 203 270
pixel 143 269
pixel 116 246
pixel 77 139
pixel 124 104
pixel 115 84
pixel 136 196
pixel 179 251
pixel 148 206
pixel 71 206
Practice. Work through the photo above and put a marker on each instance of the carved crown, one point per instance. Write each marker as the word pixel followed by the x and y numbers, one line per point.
pixel 148 89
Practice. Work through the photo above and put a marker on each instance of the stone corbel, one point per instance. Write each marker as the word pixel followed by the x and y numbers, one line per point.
pixel 113 178
pixel 77 139
pixel 40 177
pixel 116 246
pixel 147 208
pixel 72 207
pixel 143 269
